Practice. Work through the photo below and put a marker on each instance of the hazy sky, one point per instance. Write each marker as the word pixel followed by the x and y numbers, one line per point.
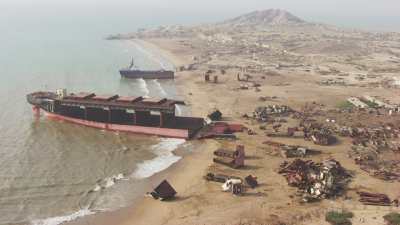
pixel 373 14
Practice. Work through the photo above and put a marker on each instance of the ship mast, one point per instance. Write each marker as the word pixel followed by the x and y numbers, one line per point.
pixel 132 65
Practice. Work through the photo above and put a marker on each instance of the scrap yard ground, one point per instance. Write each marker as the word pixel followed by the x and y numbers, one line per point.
pixel 287 65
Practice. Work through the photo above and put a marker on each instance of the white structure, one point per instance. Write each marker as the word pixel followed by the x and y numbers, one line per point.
pixel 357 102
pixel 378 102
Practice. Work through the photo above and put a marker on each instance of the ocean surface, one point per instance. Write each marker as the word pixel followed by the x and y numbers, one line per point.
pixel 52 171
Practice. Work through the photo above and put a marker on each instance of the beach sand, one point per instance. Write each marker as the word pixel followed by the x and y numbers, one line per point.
pixel 273 202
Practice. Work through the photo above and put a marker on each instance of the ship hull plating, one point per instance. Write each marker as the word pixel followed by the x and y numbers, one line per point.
pixel 162 132
pixel 139 74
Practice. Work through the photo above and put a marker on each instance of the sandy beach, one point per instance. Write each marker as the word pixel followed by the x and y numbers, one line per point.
pixel 273 202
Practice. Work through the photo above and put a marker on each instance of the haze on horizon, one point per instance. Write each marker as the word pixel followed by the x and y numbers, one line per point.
pixel 375 15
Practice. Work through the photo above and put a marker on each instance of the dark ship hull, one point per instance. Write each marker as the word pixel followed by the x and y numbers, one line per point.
pixel 115 113
pixel 147 74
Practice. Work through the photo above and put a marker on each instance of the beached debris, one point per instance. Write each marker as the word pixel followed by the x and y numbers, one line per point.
pixel 251 181
pixel 220 178
pixel 234 159
pixel 291 151
pixel 220 130
pixel 318 133
pixel 376 199
pixel 251 132
pixel 379 136
pixel 323 137
pixel 233 185
pixel 164 191
pixel 267 98
pixel 216 115
pixel 377 163
pixel 316 180
pixel 263 113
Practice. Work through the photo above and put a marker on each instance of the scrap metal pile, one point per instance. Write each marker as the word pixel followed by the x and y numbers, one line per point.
pixel 234 159
pixel 376 199
pixel 318 133
pixel 291 151
pixel 263 113
pixel 233 184
pixel 378 163
pixel 372 136
pixel 316 180
pixel 220 130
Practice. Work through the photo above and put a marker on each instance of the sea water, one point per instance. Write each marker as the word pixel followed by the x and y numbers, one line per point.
pixel 52 171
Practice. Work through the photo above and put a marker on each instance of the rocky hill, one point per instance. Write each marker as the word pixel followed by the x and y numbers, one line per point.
pixel 265 18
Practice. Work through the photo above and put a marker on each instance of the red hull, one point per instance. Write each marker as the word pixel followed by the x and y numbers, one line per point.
pixel 163 132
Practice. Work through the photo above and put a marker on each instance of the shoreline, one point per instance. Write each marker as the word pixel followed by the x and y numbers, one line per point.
pixel 137 208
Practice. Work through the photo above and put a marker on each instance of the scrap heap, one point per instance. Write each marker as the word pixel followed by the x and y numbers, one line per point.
pixel 319 134
pixel 263 113
pixel 376 199
pixel 234 159
pixel 316 180
pixel 291 151
pixel 372 136
pixel 378 163
pixel 220 130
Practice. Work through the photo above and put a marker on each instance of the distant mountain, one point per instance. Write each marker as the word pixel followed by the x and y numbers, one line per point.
pixel 265 18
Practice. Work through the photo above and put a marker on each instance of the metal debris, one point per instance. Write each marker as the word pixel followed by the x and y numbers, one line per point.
pixel 291 151
pixel 316 180
pixel 164 191
pixel 376 199
pixel 234 159
pixel 216 115
pixel 263 113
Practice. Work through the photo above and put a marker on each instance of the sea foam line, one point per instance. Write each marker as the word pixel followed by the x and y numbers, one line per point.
pixel 165 158
pixel 62 219
pixel 143 86
pixel 160 88
pixel 150 55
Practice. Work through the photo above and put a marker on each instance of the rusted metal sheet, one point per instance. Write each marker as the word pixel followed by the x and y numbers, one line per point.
pixel 375 199
pixel 105 97
pixel 234 159
pixel 164 191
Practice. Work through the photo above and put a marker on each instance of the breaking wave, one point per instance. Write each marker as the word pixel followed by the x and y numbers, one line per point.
pixel 143 87
pixel 108 182
pixel 62 219
pixel 165 158
pixel 150 55
pixel 160 88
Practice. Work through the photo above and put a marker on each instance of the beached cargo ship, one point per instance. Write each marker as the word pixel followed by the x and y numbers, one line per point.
pixel 134 73
pixel 112 112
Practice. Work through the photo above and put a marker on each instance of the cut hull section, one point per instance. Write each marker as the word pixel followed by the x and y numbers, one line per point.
pixel 141 74
pixel 162 132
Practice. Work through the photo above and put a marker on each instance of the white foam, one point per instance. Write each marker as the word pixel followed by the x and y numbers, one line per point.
pixel 62 219
pixel 150 55
pixel 160 88
pixel 178 110
pixel 108 182
pixel 165 158
pixel 143 86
